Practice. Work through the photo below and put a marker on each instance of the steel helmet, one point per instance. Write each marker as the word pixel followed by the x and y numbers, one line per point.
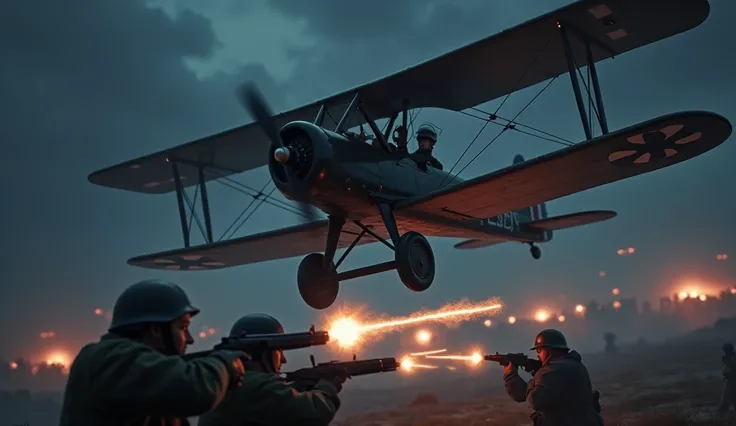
pixel 257 324
pixel 426 131
pixel 550 338
pixel 149 302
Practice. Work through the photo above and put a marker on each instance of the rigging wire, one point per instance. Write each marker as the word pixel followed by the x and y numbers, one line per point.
pixel 508 95
pixel 252 201
pixel 252 211
pixel 506 127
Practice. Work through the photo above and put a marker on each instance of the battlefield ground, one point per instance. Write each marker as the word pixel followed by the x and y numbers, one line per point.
pixel 673 383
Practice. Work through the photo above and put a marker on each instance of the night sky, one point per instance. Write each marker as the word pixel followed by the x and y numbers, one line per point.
pixel 87 84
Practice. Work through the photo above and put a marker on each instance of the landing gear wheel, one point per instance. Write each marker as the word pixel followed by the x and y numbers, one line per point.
pixel 536 251
pixel 317 287
pixel 415 261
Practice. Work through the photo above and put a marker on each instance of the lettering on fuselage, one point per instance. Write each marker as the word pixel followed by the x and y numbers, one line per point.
pixel 508 221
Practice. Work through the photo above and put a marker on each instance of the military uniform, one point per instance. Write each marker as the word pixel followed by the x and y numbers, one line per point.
pixel 121 381
pixel 265 398
pixel 560 393
pixel 728 397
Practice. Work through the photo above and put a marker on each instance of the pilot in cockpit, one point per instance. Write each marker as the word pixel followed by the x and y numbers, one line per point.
pixel 426 138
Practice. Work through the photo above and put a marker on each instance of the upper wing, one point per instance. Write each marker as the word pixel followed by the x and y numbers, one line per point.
pixel 471 75
pixel 639 149
pixel 279 244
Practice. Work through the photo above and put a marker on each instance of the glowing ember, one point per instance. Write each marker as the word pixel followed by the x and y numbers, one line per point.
pixel 99 312
pixel 13 365
pixel 693 294
pixel 733 291
pixel 47 334
pixel 579 309
pixel 703 297
pixel 423 337
pixel 682 295
pixel 202 335
pixel 451 368
pixel 722 256
pixel 425 353
pixel 631 250
pixel 620 252
pixel 615 291
pixel 616 304
pixel 348 331
pixel 602 274
pixel 512 320
pixel 211 331
pixel 561 318
pixel 487 323
pixel 541 315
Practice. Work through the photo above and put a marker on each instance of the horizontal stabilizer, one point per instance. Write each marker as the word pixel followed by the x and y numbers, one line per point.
pixel 475 244
pixel 572 220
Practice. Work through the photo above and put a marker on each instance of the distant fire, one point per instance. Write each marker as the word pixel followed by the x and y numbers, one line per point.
pixel 541 315
pixel 579 309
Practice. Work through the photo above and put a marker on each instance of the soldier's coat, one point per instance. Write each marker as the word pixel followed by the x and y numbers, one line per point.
pixel 560 393
pixel 118 381
pixel 265 399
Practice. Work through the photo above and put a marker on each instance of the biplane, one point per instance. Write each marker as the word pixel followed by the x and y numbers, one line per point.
pixel 373 191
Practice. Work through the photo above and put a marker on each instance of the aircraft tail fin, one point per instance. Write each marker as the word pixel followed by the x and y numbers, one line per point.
pixel 532 213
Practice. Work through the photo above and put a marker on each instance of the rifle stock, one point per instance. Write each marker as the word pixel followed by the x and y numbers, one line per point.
pixel 345 369
pixel 249 343
pixel 520 360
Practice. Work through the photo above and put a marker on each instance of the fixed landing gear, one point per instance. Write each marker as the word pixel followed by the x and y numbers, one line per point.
pixel 535 250
pixel 319 281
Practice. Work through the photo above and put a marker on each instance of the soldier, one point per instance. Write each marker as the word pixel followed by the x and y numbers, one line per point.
pixel 426 139
pixel 728 398
pixel 265 399
pixel 560 393
pixel 135 374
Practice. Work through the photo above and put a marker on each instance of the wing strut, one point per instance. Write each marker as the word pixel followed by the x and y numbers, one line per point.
pixel 180 202
pixel 573 71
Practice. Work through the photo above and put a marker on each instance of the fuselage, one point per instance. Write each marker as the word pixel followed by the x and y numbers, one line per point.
pixel 346 176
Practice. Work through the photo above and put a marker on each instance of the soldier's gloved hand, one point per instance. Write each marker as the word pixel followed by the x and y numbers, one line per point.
pixel 337 381
pixel 235 364
pixel 510 368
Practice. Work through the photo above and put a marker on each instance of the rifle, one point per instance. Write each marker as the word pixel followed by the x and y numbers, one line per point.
pixel 520 360
pixel 344 369
pixel 250 343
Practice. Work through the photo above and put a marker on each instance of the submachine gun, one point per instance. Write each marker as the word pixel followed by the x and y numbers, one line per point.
pixel 309 376
pixel 522 361
pixel 250 343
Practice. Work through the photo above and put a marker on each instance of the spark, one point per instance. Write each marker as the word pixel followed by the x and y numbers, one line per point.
pixel 451 367
pixel 615 291
pixel 733 291
pixel 702 297
pixel 631 250
pixel 348 331
pixel 423 337
pixel 561 318
pixel 202 335
pixel 13 365
pixel 541 315
pixel 425 353
pixel 211 331
pixel 99 311
pixel 512 319
pixel 602 274
pixel 616 304
pixel 580 309
pixel 620 252
pixel 487 323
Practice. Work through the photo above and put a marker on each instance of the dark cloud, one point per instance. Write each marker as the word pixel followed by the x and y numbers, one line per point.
pixel 84 85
